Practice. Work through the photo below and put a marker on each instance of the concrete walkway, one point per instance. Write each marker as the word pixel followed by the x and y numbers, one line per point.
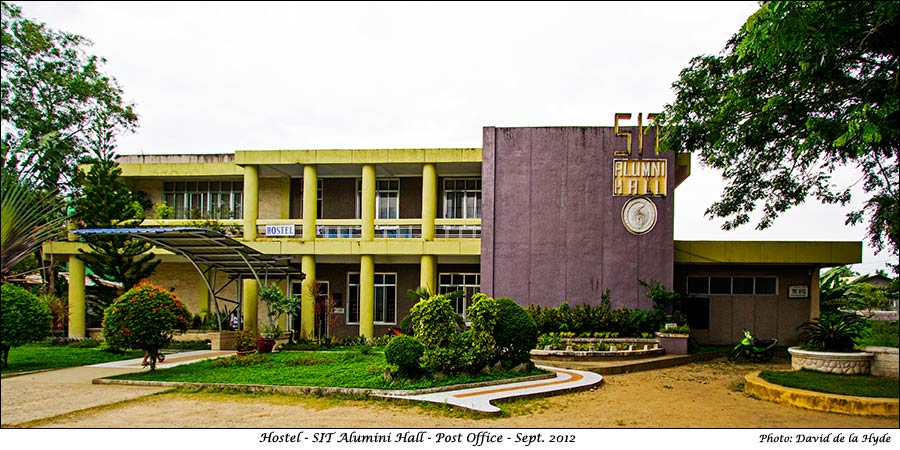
pixel 479 399
pixel 39 395
pixel 172 360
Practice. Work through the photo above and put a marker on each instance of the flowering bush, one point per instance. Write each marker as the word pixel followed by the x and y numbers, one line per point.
pixel 145 317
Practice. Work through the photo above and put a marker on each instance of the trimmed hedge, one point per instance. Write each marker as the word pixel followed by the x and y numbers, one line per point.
pixel 405 352
pixel 515 332
pixel 23 318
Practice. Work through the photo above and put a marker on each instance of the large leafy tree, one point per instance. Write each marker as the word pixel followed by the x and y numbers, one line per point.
pixel 52 92
pixel 801 89
pixel 54 100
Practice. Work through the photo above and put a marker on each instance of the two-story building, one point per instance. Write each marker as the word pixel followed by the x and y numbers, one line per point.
pixel 540 215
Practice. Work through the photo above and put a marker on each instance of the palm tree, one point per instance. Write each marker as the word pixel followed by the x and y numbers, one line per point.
pixel 27 219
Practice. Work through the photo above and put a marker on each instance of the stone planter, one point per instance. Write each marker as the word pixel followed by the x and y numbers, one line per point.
pixel 885 362
pixel 221 340
pixel 674 344
pixel 831 362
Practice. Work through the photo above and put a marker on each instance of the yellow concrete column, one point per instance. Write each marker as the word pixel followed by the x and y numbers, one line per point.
pixel 203 300
pixel 251 201
pixel 285 198
pixel 429 201
pixel 310 201
pixel 814 309
pixel 307 300
pixel 77 307
pixel 427 272
pixel 368 202
pixel 249 301
pixel 367 297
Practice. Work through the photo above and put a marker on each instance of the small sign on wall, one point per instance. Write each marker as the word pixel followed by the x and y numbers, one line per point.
pixel 280 230
pixel 798 291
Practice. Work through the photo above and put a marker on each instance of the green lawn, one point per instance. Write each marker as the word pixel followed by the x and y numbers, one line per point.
pixel 349 369
pixel 40 356
pixel 858 385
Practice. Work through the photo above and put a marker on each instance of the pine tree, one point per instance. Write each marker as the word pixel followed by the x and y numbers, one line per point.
pixel 106 202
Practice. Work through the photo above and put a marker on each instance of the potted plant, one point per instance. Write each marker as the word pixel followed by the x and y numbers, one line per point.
pixel 277 303
pixel 828 345
pixel 674 338
pixel 245 342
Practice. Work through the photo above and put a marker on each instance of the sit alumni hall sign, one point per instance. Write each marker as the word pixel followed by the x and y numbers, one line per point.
pixel 572 211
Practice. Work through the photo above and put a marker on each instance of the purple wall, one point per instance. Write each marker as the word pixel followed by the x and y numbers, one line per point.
pixel 552 230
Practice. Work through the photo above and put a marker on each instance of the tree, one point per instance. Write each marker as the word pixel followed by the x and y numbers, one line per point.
pixel 145 318
pixel 802 88
pixel 106 202
pixel 52 92
pixel 27 219
pixel 23 318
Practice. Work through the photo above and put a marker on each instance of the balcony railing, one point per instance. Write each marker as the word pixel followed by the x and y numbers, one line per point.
pixel 457 228
pixel 338 228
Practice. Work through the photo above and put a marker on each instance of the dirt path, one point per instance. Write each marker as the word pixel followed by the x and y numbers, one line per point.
pixel 699 395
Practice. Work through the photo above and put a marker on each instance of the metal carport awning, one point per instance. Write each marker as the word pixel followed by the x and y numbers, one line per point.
pixel 216 251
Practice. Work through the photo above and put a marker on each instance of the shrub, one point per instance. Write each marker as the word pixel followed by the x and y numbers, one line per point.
pixel 277 303
pixel 434 322
pixel 456 356
pixel 515 333
pixel 833 332
pixel 405 325
pixel 405 352
pixel 484 314
pixel 145 318
pixel 882 334
pixel 23 318
pixel 244 340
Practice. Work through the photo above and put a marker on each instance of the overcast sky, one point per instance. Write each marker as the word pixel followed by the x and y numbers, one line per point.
pixel 214 78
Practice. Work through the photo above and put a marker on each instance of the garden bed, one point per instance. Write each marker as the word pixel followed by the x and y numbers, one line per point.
pixel 831 383
pixel 339 369
pixel 603 349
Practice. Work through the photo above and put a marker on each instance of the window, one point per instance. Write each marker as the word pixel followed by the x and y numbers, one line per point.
pixel 319 205
pixel 385 298
pixel 352 298
pixel 720 285
pixel 765 286
pixel 743 286
pixel 732 285
pixel 462 198
pixel 387 198
pixel 205 199
pixel 470 283
pixel 698 285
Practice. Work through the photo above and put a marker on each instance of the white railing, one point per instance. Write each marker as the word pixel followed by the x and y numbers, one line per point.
pixel 348 228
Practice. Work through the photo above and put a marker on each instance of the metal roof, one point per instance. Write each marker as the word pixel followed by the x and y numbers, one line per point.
pixel 207 247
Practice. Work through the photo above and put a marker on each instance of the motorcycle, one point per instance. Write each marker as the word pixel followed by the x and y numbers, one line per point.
pixel 760 350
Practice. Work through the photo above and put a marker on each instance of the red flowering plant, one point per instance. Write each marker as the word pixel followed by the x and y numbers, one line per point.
pixel 145 317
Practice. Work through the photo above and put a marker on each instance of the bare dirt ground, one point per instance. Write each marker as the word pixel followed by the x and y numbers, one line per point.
pixel 698 395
